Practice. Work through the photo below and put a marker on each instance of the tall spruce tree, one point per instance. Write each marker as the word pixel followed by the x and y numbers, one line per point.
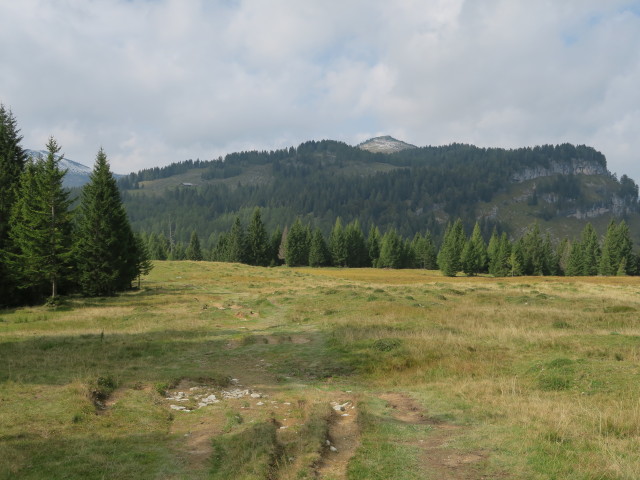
pixel 236 242
pixel 391 250
pixel 474 255
pixel 40 226
pixel 590 250
pixel 107 253
pixel 338 245
pixel 194 252
pixel 258 241
pixel 297 248
pixel 356 246
pixel 373 245
pixel 319 255
pixel 12 163
pixel 451 249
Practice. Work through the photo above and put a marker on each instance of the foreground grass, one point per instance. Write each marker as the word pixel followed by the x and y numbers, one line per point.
pixel 538 375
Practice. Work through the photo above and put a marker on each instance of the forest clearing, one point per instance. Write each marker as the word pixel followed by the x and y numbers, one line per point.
pixel 218 370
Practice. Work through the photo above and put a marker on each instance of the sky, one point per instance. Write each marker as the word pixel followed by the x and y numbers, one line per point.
pixel 160 81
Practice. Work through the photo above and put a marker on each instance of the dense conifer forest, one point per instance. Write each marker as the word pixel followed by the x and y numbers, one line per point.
pixel 46 247
pixel 411 191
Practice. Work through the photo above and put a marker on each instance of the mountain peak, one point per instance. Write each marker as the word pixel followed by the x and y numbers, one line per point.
pixel 385 144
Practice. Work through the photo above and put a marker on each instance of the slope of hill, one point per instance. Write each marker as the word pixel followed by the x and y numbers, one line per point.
pixel 77 173
pixel 411 190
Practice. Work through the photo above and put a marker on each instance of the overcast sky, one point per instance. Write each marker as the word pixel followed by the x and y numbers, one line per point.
pixel 159 81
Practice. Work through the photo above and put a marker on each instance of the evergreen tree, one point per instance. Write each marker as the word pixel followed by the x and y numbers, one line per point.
pixel 194 251
pixel 590 251
pixel 391 250
pixel 12 164
pixel 106 252
pixel 319 255
pixel 258 241
pixel 516 260
pixel 616 248
pixel 282 246
pixel 451 249
pixel 563 251
pixel 474 255
pixel 297 248
pixel 338 245
pixel 40 226
pixel 236 243
pixel 274 247
pixel 355 244
pixel 373 245
pixel 500 263
pixel 425 251
pixel 493 247
pixel 144 264
pixel 575 264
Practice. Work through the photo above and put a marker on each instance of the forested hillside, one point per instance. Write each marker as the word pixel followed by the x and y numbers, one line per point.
pixel 413 190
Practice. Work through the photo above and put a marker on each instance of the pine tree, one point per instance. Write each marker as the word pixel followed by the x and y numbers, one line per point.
pixel 338 245
pixel 575 264
pixel 319 252
pixel 297 248
pixel 274 246
pixel 425 251
pixel 194 252
pixel 474 255
pixel 373 245
pixel 282 246
pixel 356 246
pixel 12 164
pixel 590 250
pixel 500 263
pixel 236 243
pixel 617 246
pixel 107 254
pixel 451 249
pixel 258 241
pixel 516 259
pixel 40 226
pixel 144 264
pixel 391 250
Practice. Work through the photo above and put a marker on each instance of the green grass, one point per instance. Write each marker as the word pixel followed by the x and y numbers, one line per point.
pixel 540 374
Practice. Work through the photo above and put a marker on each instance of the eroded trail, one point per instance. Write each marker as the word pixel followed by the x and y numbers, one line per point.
pixel 438 458
pixel 342 442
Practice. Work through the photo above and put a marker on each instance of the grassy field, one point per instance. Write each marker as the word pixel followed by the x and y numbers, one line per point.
pixel 233 372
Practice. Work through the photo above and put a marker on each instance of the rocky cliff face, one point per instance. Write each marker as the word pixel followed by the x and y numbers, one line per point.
pixel 575 167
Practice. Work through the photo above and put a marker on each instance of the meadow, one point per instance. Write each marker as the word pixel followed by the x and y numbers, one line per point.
pixel 227 371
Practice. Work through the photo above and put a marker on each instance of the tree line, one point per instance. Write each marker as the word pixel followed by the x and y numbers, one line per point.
pixel 347 246
pixel 48 248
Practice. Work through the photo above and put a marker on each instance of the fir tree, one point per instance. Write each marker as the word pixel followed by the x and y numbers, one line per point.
pixel 144 264
pixel 356 247
pixel 338 245
pixel 474 255
pixel 12 164
pixel 40 226
pixel 107 253
pixel 274 246
pixel 373 245
pixel 500 263
pixel 590 251
pixel 258 241
pixel 391 250
pixel 194 252
pixel 451 249
pixel 575 263
pixel 236 243
pixel 319 252
pixel 297 248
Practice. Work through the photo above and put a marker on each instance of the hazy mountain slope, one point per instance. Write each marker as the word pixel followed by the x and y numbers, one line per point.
pixel 414 189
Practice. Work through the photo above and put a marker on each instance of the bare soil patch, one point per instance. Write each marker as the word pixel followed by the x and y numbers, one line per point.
pixel 438 458
pixel 344 438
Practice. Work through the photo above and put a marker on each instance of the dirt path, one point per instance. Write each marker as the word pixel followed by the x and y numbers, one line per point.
pixel 342 442
pixel 438 459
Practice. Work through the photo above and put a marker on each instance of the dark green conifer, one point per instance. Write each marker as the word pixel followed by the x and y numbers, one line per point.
pixel 236 241
pixel 373 245
pixel 338 245
pixel 391 250
pixel 107 253
pixel 40 226
pixel 194 252
pixel 297 247
pixel 451 249
pixel 319 252
pixel 258 241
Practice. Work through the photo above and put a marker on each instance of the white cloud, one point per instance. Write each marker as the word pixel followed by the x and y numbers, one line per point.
pixel 160 81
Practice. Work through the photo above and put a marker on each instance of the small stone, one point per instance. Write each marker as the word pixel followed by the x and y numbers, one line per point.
pixel 333 449
pixel 328 442
pixel 260 403
pixel 345 414
pixel 256 395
